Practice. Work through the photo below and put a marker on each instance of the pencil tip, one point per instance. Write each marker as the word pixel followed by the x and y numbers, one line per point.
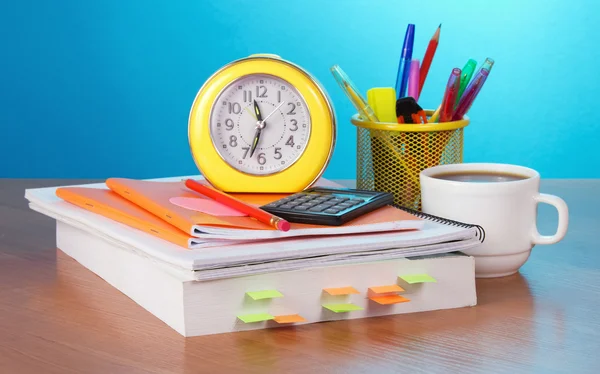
pixel 440 26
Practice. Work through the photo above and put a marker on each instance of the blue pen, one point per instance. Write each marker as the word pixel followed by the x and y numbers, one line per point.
pixel 404 65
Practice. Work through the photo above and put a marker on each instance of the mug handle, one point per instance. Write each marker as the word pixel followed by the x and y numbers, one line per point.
pixel 563 219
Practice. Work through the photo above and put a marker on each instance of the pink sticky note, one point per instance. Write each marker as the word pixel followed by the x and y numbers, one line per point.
pixel 206 206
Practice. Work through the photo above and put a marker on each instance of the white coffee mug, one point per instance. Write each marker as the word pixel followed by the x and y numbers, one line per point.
pixel 507 211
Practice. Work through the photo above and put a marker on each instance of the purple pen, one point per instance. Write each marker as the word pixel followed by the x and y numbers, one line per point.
pixel 470 94
pixel 404 65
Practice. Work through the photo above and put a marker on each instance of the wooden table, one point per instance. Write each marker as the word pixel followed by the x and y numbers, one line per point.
pixel 57 317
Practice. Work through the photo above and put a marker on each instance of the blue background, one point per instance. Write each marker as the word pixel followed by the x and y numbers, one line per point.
pixel 103 88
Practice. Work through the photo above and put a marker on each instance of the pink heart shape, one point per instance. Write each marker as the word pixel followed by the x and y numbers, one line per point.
pixel 206 206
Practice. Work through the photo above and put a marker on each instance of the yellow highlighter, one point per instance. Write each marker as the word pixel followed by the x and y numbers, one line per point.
pixel 383 102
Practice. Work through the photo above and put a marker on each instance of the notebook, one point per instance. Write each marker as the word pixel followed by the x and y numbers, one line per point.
pixel 238 259
pixel 156 197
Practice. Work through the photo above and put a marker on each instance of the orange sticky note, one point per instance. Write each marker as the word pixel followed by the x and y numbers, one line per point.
pixel 386 289
pixel 290 318
pixel 389 299
pixel 340 291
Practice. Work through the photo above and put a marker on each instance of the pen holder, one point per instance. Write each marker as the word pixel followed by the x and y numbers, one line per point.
pixel 390 156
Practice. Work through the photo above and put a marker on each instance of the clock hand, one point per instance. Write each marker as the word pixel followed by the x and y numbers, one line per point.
pixel 274 110
pixel 260 124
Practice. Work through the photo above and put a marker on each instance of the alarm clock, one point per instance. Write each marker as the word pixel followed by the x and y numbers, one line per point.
pixel 262 124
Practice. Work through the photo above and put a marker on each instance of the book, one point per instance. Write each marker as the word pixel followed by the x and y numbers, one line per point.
pixel 277 299
pixel 227 259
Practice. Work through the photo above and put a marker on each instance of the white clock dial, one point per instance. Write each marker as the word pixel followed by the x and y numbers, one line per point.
pixel 284 132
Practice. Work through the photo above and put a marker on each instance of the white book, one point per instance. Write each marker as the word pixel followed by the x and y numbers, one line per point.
pixel 204 291
pixel 194 308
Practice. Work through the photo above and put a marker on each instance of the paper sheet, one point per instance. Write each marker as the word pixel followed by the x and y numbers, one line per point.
pixel 417 278
pixel 389 299
pixel 265 294
pixel 341 308
pixel 291 318
pixel 340 291
pixel 386 289
pixel 258 317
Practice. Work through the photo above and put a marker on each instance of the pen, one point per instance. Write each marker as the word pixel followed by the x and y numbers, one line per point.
pixel 364 110
pixel 470 94
pixel 488 64
pixel 429 53
pixel 467 73
pixel 413 80
pixel 404 64
pixel 240 206
pixel 449 99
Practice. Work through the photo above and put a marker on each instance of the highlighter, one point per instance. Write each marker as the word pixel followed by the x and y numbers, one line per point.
pixel 383 102
pixel 364 110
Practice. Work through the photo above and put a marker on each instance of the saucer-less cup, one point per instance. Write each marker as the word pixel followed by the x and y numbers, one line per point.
pixel 507 211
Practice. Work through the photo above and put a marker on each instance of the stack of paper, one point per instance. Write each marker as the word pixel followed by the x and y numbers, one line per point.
pixel 145 217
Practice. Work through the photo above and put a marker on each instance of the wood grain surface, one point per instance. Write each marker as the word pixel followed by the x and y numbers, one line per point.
pixel 57 317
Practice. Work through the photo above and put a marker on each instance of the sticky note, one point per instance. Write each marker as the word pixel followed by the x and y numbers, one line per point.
pixel 290 318
pixel 259 317
pixel 266 294
pixel 340 291
pixel 418 278
pixel 386 289
pixel 341 308
pixel 389 299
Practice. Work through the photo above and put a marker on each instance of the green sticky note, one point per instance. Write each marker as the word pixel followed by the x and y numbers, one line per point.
pixel 341 308
pixel 266 294
pixel 418 278
pixel 259 317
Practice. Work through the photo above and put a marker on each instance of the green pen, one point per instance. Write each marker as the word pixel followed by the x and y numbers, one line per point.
pixel 465 77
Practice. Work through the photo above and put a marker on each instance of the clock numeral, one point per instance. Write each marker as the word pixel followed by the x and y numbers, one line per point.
pixel 235 108
pixel 291 112
pixel 278 96
pixel 246 149
pixel 261 158
pixel 247 96
pixel 290 141
pixel 228 124
pixel 278 154
pixel 294 125
pixel 261 91
pixel 232 141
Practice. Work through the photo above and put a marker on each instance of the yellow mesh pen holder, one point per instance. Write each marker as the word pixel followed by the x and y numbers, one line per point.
pixel 390 156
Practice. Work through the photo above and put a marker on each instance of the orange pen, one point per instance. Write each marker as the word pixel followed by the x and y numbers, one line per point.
pixel 240 206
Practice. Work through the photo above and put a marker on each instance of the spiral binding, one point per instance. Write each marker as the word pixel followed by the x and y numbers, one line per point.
pixel 480 231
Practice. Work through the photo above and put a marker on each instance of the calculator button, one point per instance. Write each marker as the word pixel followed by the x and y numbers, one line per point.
pixel 346 205
pixel 356 201
pixel 340 199
pixel 318 208
pixel 286 206
pixel 331 211
pixel 301 207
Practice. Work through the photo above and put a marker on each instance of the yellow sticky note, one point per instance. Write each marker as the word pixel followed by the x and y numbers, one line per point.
pixel 258 317
pixel 266 294
pixel 290 318
pixel 418 278
pixel 389 299
pixel 340 291
pixel 383 102
pixel 341 308
pixel 386 289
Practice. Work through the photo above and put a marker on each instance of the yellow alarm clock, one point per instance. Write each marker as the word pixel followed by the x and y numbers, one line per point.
pixel 262 124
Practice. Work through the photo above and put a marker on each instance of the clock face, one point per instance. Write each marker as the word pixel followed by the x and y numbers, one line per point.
pixel 260 147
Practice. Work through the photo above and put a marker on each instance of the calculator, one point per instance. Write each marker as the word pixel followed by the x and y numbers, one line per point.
pixel 328 206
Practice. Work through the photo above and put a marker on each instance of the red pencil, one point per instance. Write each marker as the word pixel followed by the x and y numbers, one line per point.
pixel 240 206
pixel 433 43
